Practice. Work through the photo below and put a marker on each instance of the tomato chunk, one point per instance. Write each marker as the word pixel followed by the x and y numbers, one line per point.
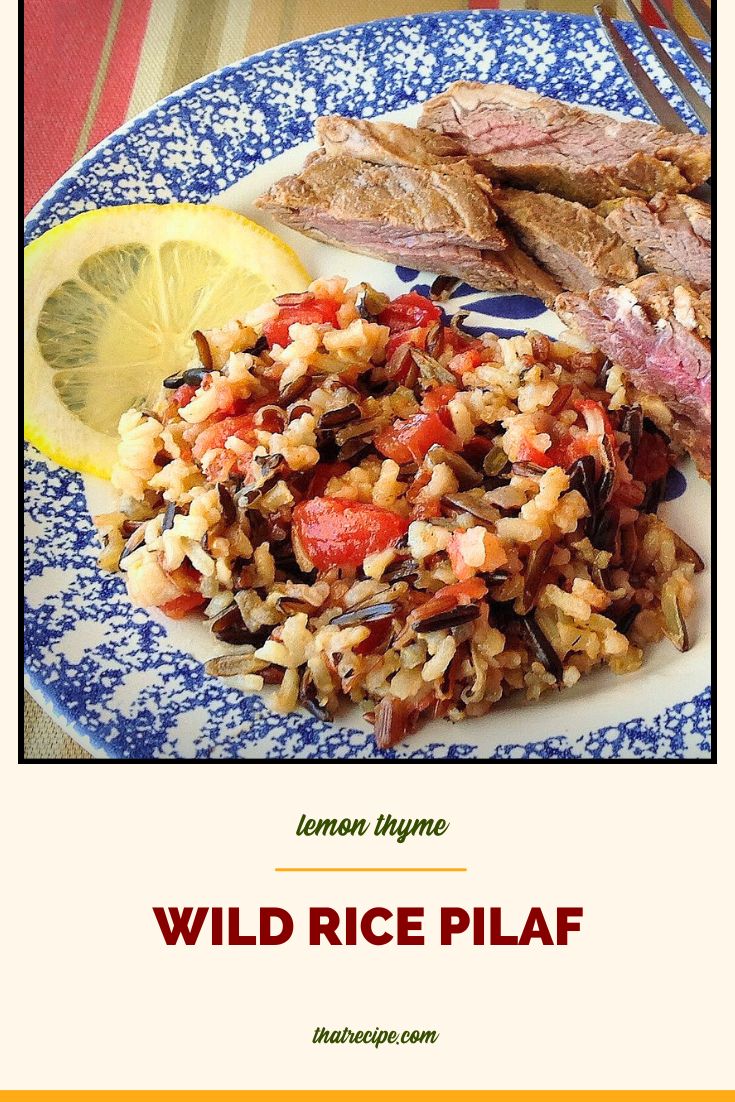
pixel 457 341
pixel 336 532
pixel 318 311
pixel 465 361
pixel 184 395
pixel 571 448
pixel 414 337
pixel 438 398
pixel 409 311
pixel 527 453
pixel 216 435
pixel 179 607
pixel 411 439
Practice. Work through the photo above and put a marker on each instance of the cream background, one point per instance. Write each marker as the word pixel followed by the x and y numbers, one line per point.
pixel 92 997
pixel 636 1000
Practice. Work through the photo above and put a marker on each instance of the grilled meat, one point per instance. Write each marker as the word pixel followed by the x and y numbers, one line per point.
pixel 670 233
pixel 658 330
pixel 569 240
pixel 438 221
pixel 534 142
pixel 387 143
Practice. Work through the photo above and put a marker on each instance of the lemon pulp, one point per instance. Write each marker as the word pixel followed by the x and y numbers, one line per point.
pixel 112 298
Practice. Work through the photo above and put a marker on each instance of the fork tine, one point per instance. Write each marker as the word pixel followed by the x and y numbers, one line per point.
pixel 691 95
pixel 702 14
pixel 649 93
pixel 684 40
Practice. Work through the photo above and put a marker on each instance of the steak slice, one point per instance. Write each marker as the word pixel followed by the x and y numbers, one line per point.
pixel 670 233
pixel 424 200
pixel 436 221
pixel 387 143
pixel 658 331
pixel 534 142
pixel 569 240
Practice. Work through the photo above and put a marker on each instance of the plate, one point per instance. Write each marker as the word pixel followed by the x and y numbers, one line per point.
pixel 128 683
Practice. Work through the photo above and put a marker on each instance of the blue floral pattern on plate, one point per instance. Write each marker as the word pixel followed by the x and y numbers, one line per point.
pixel 110 673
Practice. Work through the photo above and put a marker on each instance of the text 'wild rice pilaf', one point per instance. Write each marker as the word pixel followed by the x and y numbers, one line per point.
pixel 368 504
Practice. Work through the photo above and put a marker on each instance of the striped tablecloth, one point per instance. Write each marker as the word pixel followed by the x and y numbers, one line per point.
pixel 91 64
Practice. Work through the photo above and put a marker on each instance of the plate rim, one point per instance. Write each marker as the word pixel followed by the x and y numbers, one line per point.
pixel 129 125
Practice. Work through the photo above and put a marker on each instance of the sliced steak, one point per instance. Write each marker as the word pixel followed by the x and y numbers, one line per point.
pixel 670 233
pixel 534 142
pixel 386 143
pixel 423 200
pixel 658 330
pixel 569 240
pixel 423 218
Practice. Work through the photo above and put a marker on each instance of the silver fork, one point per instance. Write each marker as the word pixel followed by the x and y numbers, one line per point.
pixel 659 105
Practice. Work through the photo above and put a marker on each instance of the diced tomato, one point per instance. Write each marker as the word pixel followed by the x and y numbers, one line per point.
pixel 438 398
pixel 335 532
pixel 652 459
pixel 427 510
pixel 528 454
pixel 571 448
pixel 186 578
pixel 318 311
pixel 180 606
pixel 415 337
pixel 409 311
pixel 465 361
pixel 466 592
pixel 422 510
pixel 457 341
pixel 322 475
pixel 411 439
pixel 216 434
pixel 184 395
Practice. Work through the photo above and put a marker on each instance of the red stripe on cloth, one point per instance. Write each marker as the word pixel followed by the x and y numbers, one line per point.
pixel 122 70
pixel 61 52
pixel 650 14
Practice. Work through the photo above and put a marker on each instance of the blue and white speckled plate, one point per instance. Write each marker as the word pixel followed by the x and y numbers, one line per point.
pixel 129 684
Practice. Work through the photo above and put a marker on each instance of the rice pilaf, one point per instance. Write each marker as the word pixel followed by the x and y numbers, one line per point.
pixel 368 504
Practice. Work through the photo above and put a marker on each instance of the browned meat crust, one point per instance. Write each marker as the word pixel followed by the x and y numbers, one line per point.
pixel 437 221
pixel 534 142
pixel 423 199
pixel 386 143
pixel 569 240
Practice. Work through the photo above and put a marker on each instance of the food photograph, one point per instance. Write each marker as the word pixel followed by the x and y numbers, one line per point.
pixel 367 377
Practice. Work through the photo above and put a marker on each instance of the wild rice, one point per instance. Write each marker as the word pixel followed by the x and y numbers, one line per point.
pixel 519 555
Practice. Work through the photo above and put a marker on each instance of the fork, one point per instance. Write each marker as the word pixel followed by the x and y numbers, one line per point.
pixel 659 105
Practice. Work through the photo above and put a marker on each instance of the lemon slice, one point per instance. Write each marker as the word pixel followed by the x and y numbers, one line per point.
pixel 111 299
